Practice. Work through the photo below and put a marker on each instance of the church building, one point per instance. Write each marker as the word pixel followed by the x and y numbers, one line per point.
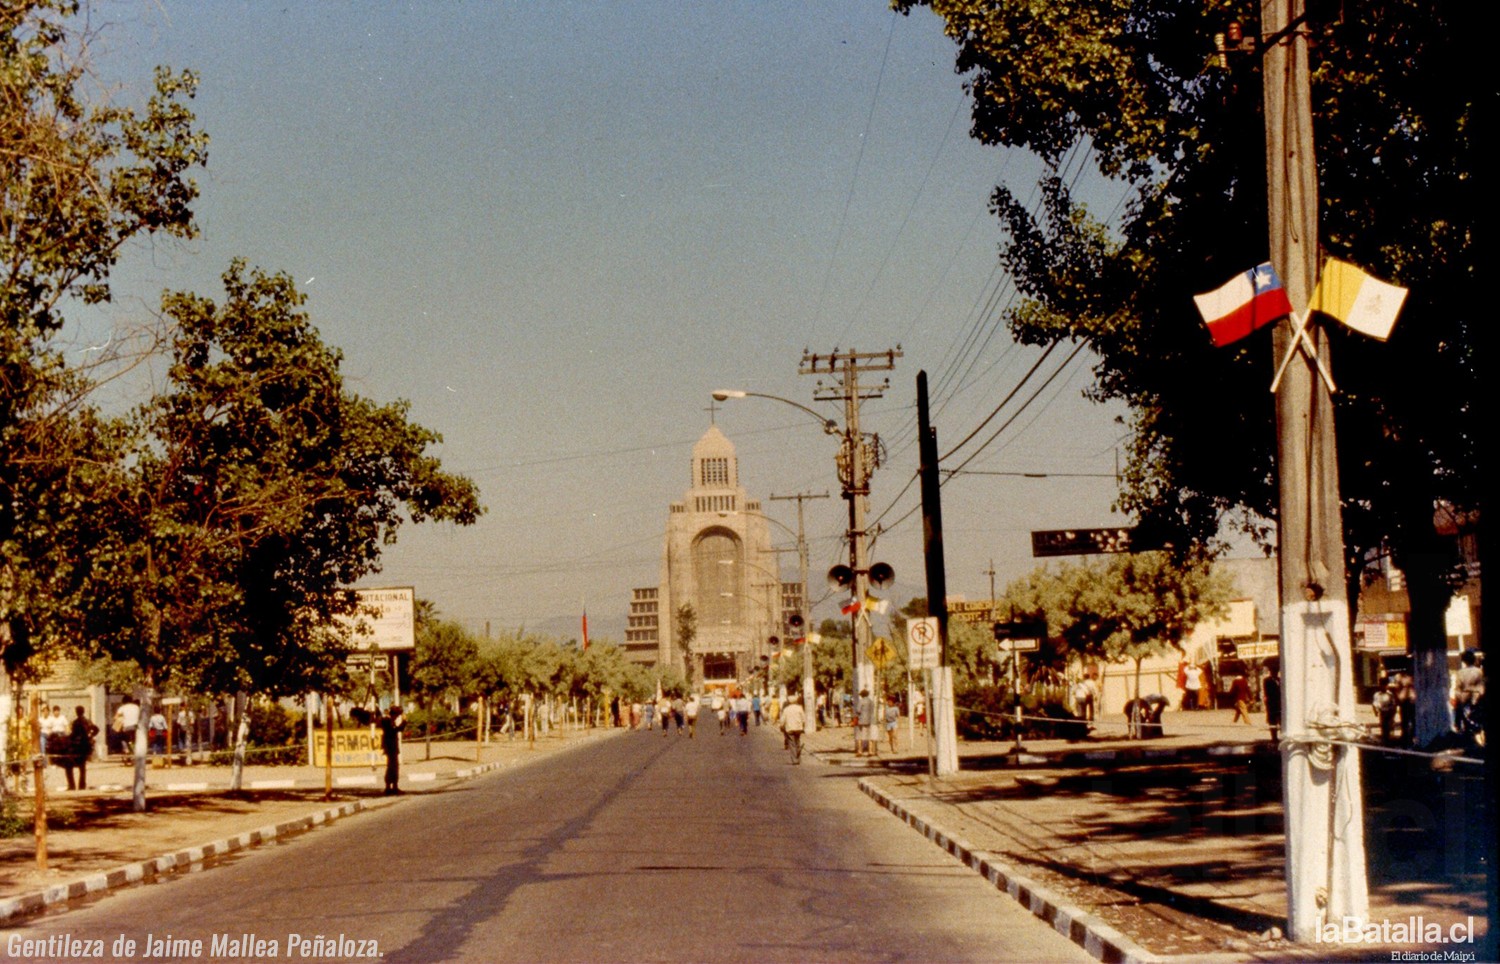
pixel 719 566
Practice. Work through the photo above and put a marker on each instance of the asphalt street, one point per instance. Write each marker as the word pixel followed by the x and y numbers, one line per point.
pixel 640 847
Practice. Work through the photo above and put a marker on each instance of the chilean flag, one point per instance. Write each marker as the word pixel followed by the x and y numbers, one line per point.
pixel 1246 302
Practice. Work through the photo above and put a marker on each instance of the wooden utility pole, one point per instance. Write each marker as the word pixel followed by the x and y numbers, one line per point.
pixel 941 726
pixel 857 460
pixel 809 686
pixel 1325 859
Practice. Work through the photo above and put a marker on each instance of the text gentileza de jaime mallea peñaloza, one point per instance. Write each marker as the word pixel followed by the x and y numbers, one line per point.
pixel 304 947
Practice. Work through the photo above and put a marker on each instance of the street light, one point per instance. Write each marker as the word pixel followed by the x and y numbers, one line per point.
pixel 830 426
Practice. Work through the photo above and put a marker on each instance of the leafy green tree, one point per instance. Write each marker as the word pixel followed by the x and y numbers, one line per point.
pixel 687 631
pixel 254 489
pixel 445 667
pixel 1123 608
pixel 79 180
pixel 1132 86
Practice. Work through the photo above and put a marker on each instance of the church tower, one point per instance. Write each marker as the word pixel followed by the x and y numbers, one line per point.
pixel 717 558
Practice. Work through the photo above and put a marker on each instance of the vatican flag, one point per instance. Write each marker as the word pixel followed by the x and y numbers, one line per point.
pixel 1366 304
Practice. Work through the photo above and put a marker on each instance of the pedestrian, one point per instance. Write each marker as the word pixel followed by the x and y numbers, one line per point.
pixel 755 708
pixel 1404 688
pixel 1468 695
pixel 864 725
pixel 742 712
pixel 1383 702
pixel 123 725
pixel 1239 694
pixel 80 746
pixel 156 731
pixel 1271 694
pixel 679 712
pixel 635 715
pixel 649 712
pixel 691 712
pixel 1083 700
pixel 1192 682
pixel 54 733
pixel 721 710
pixel 391 725
pixel 892 717
pixel 793 722
pixel 664 713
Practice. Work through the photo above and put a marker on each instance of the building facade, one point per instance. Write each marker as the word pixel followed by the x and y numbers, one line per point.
pixel 717 566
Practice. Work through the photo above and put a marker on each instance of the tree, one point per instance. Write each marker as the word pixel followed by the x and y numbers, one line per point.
pixel 251 492
pixel 687 631
pixel 445 667
pixel 78 182
pixel 1131 85
pixel 1124 607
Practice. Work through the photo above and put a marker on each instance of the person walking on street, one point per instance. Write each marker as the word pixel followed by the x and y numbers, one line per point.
pixel 78 749
pixel 690 711
pixel 391 726
pixel 1239 694
pixel 892 717
pixel 742 713
pixel 755 708
pixel 793 723
pixel 721 710
pixel 664 713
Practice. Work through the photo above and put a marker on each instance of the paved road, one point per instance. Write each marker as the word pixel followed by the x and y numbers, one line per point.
pixel 637 847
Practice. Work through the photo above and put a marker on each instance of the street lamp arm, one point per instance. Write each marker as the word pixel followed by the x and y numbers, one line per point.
pixel 830 426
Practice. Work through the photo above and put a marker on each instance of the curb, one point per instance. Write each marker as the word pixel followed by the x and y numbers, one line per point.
pixel 27 904
pixel 24 905
pixel 1097 938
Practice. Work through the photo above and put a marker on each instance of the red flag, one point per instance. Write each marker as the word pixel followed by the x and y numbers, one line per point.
pixel 585 628
pixel 851 608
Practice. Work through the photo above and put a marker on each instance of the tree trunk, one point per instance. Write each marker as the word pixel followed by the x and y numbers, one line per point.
pixel 148 702
pixel 241 738
pixel 1427 641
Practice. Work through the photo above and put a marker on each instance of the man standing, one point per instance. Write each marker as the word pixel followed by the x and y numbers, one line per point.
pixel 864 725
pixel 1192 685
pixel 80 746
pixel 793 723
pixel 391 726
pixel 691 711
pixel 54 734
pixel 742 712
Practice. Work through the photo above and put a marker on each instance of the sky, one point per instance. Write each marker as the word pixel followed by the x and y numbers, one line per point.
pixel 556 227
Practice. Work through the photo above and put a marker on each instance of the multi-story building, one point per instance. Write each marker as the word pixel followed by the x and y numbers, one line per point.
pixel 717 567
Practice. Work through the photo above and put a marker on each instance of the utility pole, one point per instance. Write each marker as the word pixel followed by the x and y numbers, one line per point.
pixel 809 689
pixel 1325 858
pixel 941 727
pixel 858 458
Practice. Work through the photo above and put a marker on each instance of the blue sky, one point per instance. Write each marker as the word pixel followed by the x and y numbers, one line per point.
pixel 556 227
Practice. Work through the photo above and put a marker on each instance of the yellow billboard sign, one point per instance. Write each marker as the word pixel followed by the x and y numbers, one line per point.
pixel 351 748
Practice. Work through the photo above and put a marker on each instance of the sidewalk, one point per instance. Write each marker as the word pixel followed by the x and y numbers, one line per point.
pixel 95 842
pixel 1169 847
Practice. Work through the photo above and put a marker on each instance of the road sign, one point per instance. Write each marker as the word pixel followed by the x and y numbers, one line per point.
pixel 367 661
pixel 1018 645
pixel 881 651
pixel 922 643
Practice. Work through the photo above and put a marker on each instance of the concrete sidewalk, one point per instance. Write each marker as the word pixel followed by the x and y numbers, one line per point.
pixel 1174 847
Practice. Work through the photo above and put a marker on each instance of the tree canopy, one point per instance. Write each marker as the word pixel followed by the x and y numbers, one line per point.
pixel 1134 88
pixel 78 182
